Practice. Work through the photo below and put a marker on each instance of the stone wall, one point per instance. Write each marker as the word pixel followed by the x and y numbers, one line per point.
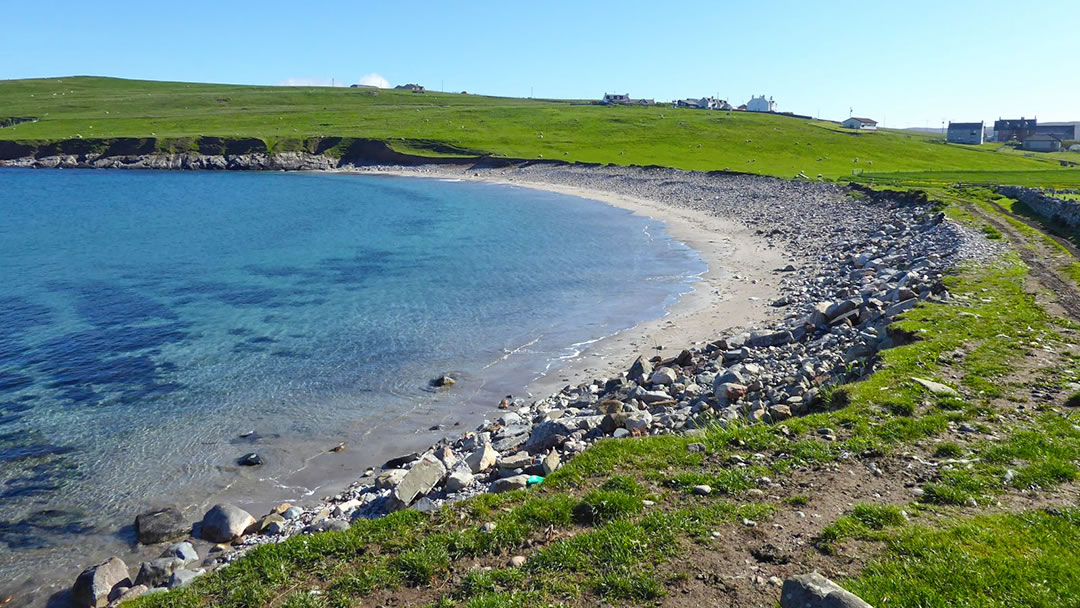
pixel 1046 205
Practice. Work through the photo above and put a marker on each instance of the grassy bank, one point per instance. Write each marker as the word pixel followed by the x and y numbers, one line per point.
pixel 455 124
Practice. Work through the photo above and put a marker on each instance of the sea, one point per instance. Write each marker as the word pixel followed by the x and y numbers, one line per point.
pixel 156 326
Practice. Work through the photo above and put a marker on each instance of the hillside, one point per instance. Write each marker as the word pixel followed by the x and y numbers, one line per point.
pixel 439 124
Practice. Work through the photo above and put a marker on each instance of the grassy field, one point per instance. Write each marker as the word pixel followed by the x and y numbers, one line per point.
pixel 517 128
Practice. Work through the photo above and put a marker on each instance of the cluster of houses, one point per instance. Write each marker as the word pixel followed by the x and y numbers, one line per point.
pixel 1031 135
pixel 756 104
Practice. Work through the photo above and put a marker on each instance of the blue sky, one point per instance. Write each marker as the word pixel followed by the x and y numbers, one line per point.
pixel 910 63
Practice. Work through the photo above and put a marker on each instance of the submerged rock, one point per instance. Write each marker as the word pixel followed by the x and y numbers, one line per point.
pixel 160 525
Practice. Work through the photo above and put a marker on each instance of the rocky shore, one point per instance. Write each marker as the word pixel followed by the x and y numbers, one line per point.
pixel 860 261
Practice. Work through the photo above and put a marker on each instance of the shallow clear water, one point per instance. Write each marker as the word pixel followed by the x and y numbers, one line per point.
pixel 149 318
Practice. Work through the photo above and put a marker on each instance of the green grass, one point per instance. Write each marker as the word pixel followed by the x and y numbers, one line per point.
pixel 1000 561
pixel 287 118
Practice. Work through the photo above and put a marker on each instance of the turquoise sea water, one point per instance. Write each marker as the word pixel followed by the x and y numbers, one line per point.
pixel 147 319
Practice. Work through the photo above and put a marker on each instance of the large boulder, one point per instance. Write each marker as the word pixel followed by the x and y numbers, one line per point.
pixel 224 522
pixel 93 586
pixel 664 376
pixel 815 591
pixel 459 479
pixel 482 458
pixel 390 478
pixel 549 434
pixel 160 525
pixel 421 478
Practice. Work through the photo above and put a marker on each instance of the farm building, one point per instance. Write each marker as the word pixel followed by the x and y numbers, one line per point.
pixel 760 104
pixel 1041 143
pixel 1011 128
pixel 615 99
pixel 965 133
pixel 1060 130
pixel 862 124
pixel 690 102
pixel 415 88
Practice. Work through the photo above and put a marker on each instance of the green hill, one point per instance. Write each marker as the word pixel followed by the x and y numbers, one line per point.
pixel 435 124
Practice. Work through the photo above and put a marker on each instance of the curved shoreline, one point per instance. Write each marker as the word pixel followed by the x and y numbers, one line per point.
pixel 856 265
pixel 683 323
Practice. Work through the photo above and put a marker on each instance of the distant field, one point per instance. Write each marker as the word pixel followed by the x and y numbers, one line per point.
pixel 442 123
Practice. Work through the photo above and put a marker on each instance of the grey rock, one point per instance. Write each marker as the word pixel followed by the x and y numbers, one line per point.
pixel 519 460
pixel 421 478
pixel 389 479
pixel 640 370
pixel 293 512
pixel 815 591
pixel 156 573
pixel 459 479
pixel 94 585
pixel 549 434
pixel 702 490
pixel 160 525
pixel 550 463
pixel 224 522
pixel 482 459
pixel 185 551
pixel 327 525
pixel 507 484
pixel 182 578
pixel 664 376
pixel 936 388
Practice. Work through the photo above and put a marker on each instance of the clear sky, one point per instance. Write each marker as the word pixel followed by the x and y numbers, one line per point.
pixel 903 63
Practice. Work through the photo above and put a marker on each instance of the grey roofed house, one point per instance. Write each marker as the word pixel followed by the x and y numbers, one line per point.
pixel 415 88
pixel 965 133
pixel 1041 143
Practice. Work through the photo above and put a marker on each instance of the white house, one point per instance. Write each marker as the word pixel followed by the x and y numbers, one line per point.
pixel 615 98
pixel 862 124
pixel 760 104
pixel 965 133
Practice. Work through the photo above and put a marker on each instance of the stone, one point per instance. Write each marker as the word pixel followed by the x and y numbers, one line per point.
pixel 327 525
pixel 389 479
pixel 273 521
pixel 182 578
pixel 779 412
pixel 517 561
pixel 519 460
pixel 815 591
pixel 224 522
pixel 702 490
pixel 185 551
pixel 156 573
pixel 160 525
pixel 936 388
pixel 550 463
pixel 447 457
pixel 729 392
pixel 695 447
pixel 640 370
pixel 459 479
pixel 400 461
pixel 444 381
pixel 421 478
pixel 507 484
pixel 94 585
pixel 250 460
pixel 638 423
pixel 664 376
pixel 549 434
pixel 123 594
pixel 292 513
pixel 482 458
pixel 620 433
pixel 610 422
pixel 612 406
